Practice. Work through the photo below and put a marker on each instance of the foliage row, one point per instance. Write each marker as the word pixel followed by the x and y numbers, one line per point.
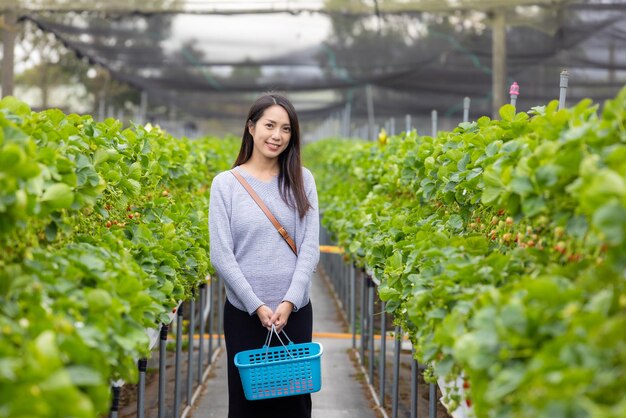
pixel 500 249
pixel 102 232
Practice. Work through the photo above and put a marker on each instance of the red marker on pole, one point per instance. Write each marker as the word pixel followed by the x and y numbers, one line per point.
pixel 514 92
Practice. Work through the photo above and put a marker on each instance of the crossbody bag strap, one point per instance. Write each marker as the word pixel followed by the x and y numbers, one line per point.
pixel 282 231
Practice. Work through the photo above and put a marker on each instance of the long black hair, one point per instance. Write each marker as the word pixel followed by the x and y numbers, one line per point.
pixel 290 181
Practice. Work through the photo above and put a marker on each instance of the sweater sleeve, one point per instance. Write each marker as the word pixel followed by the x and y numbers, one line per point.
pixel 309 253
pixel 222 246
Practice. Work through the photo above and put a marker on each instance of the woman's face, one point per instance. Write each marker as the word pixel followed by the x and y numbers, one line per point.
pixel 271 133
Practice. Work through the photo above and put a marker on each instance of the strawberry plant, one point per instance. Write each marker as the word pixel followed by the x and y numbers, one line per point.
pixel 499 247
pixel 103 231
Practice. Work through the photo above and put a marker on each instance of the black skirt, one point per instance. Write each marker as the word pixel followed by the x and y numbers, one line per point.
pixel 245 332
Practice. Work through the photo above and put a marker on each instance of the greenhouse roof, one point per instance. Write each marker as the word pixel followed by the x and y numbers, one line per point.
pixel 210 58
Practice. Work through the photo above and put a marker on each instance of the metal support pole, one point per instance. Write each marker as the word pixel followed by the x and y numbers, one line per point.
pixel 432 401
pixel 392 126
pixel 162 369
pixel 514 92
pixel 179 349
pixel 346 120
pixel 396 371
pixel 346 287
pixel 115 403
pixel 371 329
pixel 498 78
pixel 337 276
pixel 612 61
pixel 212 286
pixel 383 353
pixel 433 120
pixel 408 123
pixel 101 107
pixel 143 107
pixel 353 304
pixel 192 326
pixel 363 306
pixel 202 329
pixel 563 88
pixel 370 113
pixel 414 384
pixel 220 312
pixel 466 108
pixel 142 364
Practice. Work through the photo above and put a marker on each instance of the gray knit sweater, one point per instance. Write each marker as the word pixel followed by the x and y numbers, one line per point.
pixel 255 262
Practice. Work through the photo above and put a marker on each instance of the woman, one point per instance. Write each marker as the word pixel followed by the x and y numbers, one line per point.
pixel 266 282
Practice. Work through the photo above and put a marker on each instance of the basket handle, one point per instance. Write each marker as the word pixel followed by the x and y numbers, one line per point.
pixel 268 340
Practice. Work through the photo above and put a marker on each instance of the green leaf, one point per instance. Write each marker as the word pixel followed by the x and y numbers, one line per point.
pixel 455 222
pixel 58 196
pixel 394 263
pixel 98 299
pixel 610 219
pixel 132 187
pixel 388 293
pixel 46 349
pixel 547 176
pixel 60 379
pixel 513 317
pixel 92 262
pixel 51 231
pixel 11 156
pixel 533 206
pixel 507 112
pixel 506 381
pixel 608 182
pixel 490 195
pixel 15 106
pixel 84 376
pixel 492 178
pixel 493 148
pixel 538 110
pixel 577 226
pixel 134 171
pixel 462 164
pixel 521 185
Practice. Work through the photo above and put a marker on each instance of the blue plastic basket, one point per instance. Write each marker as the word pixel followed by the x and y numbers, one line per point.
pixel 274 372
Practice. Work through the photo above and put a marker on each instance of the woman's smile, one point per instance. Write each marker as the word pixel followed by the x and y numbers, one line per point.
pixel 273 147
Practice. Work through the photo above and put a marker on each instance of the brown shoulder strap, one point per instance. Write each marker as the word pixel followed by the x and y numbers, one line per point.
pixel 282 231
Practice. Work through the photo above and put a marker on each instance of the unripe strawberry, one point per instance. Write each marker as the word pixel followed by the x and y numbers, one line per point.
pixel 574 258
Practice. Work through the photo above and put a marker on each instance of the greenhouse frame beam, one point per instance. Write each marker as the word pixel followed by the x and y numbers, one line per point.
pixel 432 6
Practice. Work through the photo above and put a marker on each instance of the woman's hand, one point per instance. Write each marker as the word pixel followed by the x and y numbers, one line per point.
pixel 265 315
pixel 280 317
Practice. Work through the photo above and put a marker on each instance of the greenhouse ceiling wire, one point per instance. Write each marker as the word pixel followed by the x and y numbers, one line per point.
pixel 211 64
